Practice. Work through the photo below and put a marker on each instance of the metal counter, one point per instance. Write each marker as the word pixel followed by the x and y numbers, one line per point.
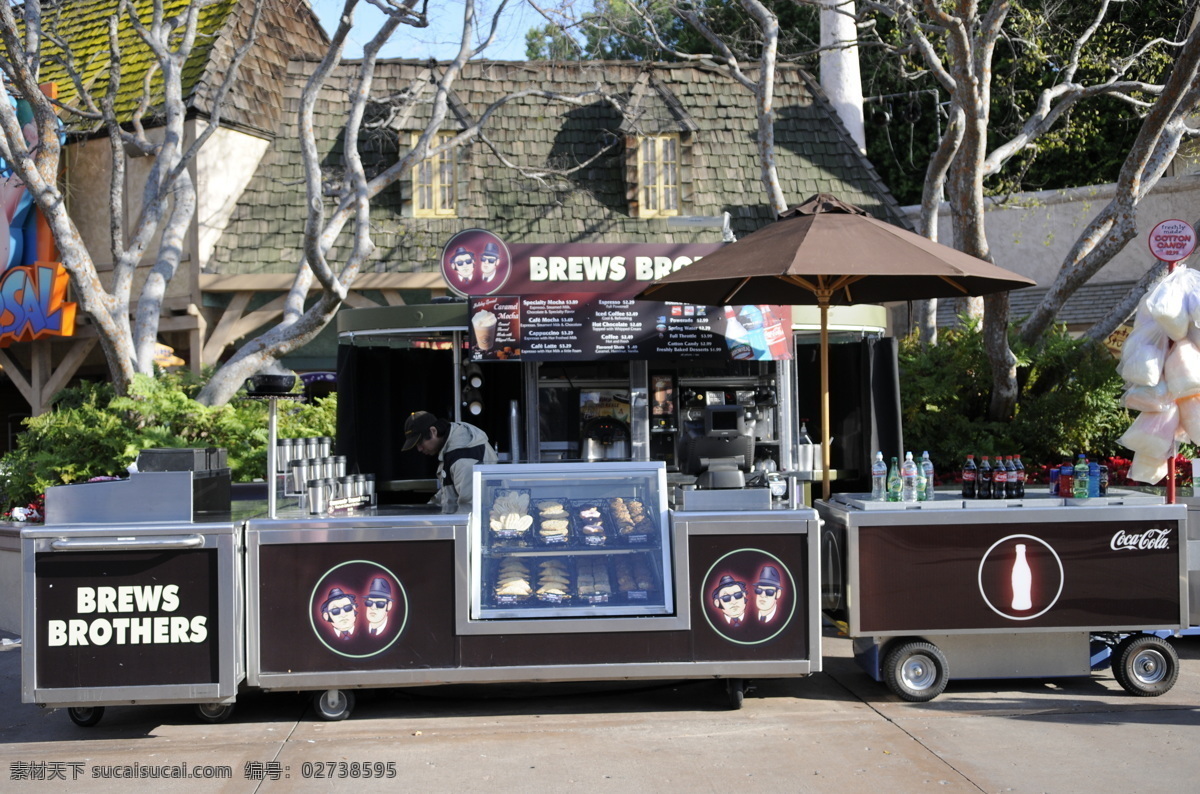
pixel 1010 589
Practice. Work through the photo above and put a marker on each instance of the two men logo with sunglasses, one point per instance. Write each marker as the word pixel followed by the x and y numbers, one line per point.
pixel 731 596
pixel 340 609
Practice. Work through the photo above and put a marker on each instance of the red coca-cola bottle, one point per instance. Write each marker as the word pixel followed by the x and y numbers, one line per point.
pixel 776 334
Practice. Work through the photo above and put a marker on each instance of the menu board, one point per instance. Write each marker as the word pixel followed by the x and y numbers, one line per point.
pixel 571 327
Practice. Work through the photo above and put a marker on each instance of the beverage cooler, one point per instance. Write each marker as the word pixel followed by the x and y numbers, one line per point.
pixel 131 595
pixel 561 572
pixel 1021 588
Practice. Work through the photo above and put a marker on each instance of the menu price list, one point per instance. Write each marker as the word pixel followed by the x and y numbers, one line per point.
pixel 567 327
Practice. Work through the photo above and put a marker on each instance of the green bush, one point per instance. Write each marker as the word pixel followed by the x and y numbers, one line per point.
pixel 91 432
pixel 1069 400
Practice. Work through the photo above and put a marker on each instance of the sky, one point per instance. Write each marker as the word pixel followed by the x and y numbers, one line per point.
pixel 440 40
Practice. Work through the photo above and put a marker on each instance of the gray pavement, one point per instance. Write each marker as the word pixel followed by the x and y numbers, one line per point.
pixel 836 731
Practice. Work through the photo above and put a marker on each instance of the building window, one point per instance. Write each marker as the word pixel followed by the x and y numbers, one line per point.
pixel 434 180
pixel 658 176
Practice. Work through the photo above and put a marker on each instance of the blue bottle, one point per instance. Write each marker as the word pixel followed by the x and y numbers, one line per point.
pixel 1093 478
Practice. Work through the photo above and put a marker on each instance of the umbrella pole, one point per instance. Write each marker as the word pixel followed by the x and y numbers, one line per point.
pixel 825 400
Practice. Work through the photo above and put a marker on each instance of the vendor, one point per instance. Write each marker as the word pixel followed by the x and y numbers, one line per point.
pixel 458 446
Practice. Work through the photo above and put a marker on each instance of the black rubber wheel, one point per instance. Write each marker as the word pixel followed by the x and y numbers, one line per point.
pixel 213 712
pixel 86 716
pixel 1145 665
pixel 334 704
pixel 735 690
pixel 916 671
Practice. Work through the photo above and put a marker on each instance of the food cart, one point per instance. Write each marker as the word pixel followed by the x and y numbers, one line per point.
pixel 1021 588
pixel 403 596
pixel 132 592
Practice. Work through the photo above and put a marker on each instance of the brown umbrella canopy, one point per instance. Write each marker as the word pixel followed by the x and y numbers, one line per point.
pixel 826 246
pixel 830 253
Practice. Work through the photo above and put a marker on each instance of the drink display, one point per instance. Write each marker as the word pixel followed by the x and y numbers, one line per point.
pixel 908 476
pixel 927 470
pixel 969 473
pixel 879 479
pixel 1066 479
pixel 999 479
pixel 894 485
pixel 1079 486
pixel 983 489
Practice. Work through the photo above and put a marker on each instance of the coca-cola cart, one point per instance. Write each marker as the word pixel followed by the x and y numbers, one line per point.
pixel 1029 588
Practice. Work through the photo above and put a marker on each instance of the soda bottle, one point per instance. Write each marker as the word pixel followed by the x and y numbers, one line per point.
pixel 1010 478
pixel 999 479
pixel 776 334
pixel 969 473
pixel 984 487
pixel 1066 475
pixel 879 475
pixel 927 470
pixel 1104 481
pixel 1053 476
pixel 894 486
pixel 908 474
pixel 1094 478
pixel 1020 470
pixel 1080 484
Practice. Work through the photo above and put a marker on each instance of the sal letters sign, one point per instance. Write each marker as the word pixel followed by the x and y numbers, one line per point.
pixel 32 303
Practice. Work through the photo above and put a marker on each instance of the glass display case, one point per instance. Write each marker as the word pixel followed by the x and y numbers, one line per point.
pixel 570 541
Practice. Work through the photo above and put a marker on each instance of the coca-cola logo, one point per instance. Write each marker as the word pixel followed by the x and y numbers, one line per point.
pixel 1150 539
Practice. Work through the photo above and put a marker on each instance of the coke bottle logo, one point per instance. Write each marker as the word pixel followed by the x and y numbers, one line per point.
pixel 1150 539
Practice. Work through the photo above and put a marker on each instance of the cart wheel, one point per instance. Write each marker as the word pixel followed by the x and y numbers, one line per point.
pixel 916 671
pixel 1145 665
pixel 86 716
pixel 735 690
pixel 213 712
pixel 334 704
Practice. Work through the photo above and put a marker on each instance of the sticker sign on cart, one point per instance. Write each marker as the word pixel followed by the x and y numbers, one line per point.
pixel 126 618
pixel 1172 241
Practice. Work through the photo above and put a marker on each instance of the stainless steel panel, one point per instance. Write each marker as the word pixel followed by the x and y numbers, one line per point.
pixel 1014 655
pixel 143 498
pixel 349 529
pixel 225 538
pixel 485 675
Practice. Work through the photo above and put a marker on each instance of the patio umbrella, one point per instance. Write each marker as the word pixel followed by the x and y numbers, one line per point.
pixel 831 253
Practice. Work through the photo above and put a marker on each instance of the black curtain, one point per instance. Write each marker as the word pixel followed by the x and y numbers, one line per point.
pixel 864 405
pixel 378 387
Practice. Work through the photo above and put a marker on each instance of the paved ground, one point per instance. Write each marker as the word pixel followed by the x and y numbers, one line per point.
pixel 837 731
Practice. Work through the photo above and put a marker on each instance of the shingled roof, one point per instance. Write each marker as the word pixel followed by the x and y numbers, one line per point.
pixel 287 29
pixel 720 165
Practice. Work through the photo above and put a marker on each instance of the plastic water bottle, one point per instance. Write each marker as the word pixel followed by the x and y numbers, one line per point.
pixel 1079 487
pixel 1066 476
pixel 969 473
pixel 1094 478
pixel 927 470
pixel 879 473
pixel 894 485
pixel 908 476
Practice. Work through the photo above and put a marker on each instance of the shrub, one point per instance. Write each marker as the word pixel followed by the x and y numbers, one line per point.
pixel 91 432
pixel 1069 400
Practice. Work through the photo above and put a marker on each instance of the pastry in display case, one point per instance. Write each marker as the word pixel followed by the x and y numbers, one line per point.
pixel 570 540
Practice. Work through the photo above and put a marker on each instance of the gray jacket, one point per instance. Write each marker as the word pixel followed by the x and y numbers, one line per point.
pixel 465 446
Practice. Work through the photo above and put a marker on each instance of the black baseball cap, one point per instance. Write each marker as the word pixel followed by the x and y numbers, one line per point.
pixel 415 427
